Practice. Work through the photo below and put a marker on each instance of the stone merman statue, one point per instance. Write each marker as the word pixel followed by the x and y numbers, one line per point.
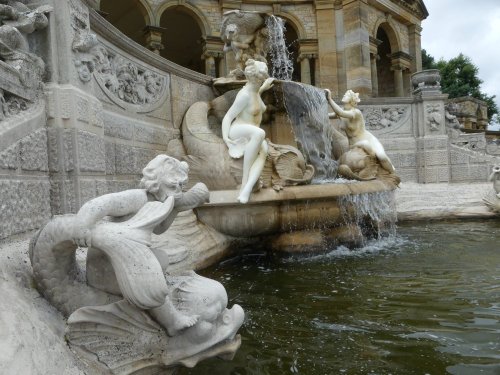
pixel 178 320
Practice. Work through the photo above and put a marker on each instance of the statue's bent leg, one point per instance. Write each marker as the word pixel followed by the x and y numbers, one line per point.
pixel 254 173
pixel 256 136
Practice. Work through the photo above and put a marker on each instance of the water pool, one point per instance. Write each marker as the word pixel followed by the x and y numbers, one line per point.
pixel 425 301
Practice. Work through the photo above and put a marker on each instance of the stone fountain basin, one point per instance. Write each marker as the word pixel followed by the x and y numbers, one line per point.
pixel 271 212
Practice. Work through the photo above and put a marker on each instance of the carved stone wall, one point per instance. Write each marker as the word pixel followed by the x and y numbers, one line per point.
pixel 106 108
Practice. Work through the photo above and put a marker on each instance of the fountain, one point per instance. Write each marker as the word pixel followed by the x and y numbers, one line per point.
pixel 264 156
pixel 300 134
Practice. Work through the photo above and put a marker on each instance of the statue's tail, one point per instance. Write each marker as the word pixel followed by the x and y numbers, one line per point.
pixel 57 275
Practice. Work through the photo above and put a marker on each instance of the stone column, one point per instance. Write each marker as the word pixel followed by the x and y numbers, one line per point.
pixel 357 46
pixel 153 36
pixel 327 45
pixel 210 68
pixel 212 54
pixel 308 50
pixel 398 80
pixel 221 66
pixel 400 61
pixel 374 43
pixel 373 63
pixel 415 47
pixel 305 69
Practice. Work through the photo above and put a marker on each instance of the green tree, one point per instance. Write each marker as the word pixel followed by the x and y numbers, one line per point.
pixel 459 77
pixel 428 61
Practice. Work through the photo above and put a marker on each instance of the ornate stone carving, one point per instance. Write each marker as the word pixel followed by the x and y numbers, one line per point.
pixel 154 321
pixel 83 41
pixel 426 80
pixel 434 117
pixel 11 105
pixel 125 82
pixel 383 118
pixel 254 35
pixel 17 22
pixel 245 34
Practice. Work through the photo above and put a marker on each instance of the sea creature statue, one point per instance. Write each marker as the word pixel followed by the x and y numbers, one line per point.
pixel 17 21
pixel 156 322
pixel 245 34
pixel 493 202
pixel 366 154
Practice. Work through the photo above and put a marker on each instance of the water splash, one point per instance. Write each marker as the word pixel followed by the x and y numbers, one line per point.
pixel 375 211
pixel 282 65
pixel 307 109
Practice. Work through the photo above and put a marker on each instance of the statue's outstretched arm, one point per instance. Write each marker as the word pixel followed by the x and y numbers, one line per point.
pixel 268 83
pixel 194 197
pixel 336 108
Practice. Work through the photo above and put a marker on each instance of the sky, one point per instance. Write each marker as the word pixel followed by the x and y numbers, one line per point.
pixel 471 27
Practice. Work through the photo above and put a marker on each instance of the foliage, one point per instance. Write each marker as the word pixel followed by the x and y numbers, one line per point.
pixel 459 77
pixel 428 61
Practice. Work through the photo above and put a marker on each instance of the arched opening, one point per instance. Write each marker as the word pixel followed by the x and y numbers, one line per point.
pixel 386 86
pixel 128 16
pixel 292 42
pixel 182 40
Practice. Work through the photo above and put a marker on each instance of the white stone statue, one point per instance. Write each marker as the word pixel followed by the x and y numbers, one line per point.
pixel 495 178
pixel 241 126
pixel 17 21
pixel 245 34
pixel 353 124
pixel 186 315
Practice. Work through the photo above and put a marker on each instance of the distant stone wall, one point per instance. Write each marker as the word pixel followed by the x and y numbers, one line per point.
pixel 423 148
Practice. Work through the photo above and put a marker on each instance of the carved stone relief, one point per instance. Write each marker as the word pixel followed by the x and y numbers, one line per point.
pixel 123 81
pixel 434 117
pixel 385 119
pixel 17 21
pixel 11 105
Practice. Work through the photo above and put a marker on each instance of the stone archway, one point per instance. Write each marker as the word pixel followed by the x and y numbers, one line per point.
pixel 129 16
pixel 390 66
pixel 385 76
pixel 187 50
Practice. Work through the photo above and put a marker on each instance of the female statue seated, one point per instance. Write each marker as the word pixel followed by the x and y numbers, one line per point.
pixel 241 126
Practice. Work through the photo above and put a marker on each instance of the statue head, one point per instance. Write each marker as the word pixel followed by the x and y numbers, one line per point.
pixel 351 97
pixel 256 70
pixel 164 176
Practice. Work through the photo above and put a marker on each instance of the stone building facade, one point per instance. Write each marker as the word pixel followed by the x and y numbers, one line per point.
pixel 370 46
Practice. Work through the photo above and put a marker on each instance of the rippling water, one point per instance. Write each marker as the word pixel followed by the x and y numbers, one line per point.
pixel 426 301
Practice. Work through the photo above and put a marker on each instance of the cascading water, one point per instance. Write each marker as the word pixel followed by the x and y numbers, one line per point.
pixel 375 209
pixel 307 109
pixel 282 65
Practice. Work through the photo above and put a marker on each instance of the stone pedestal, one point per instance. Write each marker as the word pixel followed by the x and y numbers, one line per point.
pixel 433 156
